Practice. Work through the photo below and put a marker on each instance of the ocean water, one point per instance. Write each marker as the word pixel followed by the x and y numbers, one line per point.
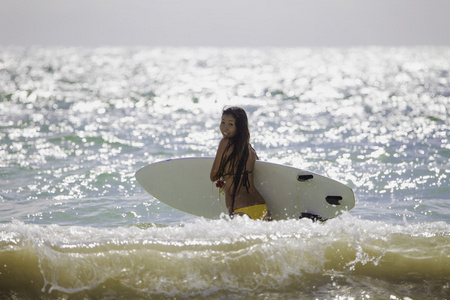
pixel 77 123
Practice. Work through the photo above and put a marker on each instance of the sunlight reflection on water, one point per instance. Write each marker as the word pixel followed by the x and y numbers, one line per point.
pixel 77 123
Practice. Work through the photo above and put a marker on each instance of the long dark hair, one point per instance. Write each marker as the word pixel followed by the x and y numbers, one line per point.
pixel 236 162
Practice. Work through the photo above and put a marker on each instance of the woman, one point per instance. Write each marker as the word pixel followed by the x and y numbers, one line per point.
pixel 233 167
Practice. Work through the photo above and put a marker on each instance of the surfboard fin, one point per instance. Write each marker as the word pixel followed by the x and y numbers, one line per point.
pixel 334 200
pixel 313 217
pixel 306 177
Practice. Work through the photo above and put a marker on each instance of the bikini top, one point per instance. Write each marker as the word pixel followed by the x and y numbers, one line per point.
pixel 244 179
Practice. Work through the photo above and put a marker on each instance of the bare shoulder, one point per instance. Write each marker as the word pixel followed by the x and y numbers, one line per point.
pixel 223 145
pixel 252 158
pixel 252 153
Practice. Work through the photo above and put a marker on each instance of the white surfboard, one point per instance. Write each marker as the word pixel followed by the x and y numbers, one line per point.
pixel 184 184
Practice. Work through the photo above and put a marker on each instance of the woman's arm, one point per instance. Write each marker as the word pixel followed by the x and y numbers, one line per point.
pixel 216 165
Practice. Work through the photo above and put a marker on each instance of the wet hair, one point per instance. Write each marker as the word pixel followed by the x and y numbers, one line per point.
pixel 236 162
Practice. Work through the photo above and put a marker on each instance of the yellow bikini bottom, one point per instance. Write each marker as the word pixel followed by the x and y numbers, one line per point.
pixel 256 212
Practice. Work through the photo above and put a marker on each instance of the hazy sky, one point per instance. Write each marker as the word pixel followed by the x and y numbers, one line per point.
pixel 224 22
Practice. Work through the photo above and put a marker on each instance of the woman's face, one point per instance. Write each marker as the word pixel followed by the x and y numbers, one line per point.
pixel 228 126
